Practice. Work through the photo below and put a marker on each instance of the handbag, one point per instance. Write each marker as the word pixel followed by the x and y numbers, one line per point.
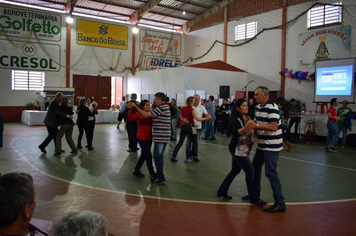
pixel 194 130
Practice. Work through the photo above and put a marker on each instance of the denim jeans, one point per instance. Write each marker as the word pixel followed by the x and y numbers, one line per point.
pixel 333 134
pixel 344 133
pixel 174 127
pixel 188 147
pixel 225 123
pixel 270 159
pixel 209 127
pixel 185 131
pixel 158 149
pixel 146 155
pixel 239 162
pixel 295 121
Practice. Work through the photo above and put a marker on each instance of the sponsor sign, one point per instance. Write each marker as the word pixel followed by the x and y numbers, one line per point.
pixel 29 56
pixel 18 22
pixel 151 63
pixel 101 34
pixel 323 44
pixel 158 43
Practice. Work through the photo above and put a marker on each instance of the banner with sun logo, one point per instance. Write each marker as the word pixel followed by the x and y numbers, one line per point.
pixel 323 44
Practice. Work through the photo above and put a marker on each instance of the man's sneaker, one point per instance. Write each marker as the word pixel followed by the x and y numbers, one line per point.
pixel 159 181
pixel 188 160
pixel 196 159
pixel 138 174
pixel 326 149
pixel 173 159
pixel 153 178
pixel 332 149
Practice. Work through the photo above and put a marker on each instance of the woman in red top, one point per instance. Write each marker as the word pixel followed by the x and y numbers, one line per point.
pixel 189 113
pixel 333 134
pixel 144 136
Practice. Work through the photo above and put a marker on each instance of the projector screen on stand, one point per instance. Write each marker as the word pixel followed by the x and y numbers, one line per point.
pixel 334 79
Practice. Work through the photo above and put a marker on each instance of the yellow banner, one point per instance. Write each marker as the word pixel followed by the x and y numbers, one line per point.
pixel 101 34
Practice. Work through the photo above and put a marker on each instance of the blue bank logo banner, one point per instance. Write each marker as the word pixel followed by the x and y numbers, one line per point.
pixel 18 22
pixel 29 56
pixel 152 63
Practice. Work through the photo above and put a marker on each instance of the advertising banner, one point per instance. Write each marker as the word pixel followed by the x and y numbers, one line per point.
pixel 158 43
pixel 99 34
pixel 152 63
pixel 323 44
pixel 29 56
pixel 18 22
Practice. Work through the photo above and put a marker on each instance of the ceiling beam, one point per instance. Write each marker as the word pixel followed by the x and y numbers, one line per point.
pixel 187 26
pixel 70 6
pixel 147 7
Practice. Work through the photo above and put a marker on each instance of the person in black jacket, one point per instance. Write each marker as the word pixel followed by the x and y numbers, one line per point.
pixel 66 128
pixel 93 108
pixel 82 122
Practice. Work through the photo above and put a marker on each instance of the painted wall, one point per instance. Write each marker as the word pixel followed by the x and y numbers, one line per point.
pixel 262 56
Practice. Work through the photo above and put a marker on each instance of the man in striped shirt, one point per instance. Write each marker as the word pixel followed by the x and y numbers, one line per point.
pixel 269 134
pixel 161 126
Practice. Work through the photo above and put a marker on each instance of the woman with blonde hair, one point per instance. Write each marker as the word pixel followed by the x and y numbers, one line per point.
pixel 187 128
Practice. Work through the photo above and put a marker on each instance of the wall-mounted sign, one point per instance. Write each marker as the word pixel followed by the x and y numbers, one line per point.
pixel 29 56
pixel 151 63
pixel 160 43
pixel 323 44
pixel 18 22
pixel 101 34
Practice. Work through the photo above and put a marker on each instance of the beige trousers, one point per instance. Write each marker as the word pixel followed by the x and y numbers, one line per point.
pixel 68 131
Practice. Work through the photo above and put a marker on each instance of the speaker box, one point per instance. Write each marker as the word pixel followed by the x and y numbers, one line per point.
pixel 224 91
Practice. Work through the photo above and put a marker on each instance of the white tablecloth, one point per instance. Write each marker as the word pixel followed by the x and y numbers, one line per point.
pixel 33 117
pixel 36 117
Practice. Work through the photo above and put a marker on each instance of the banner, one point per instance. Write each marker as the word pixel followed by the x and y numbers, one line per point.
pixel 18 22
pixel 29 56
pixel 151 63
pixel 101 34
pixel 158 43
pixel 323 44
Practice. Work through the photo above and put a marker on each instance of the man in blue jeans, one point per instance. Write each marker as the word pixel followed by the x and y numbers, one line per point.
pixel 161 130
pixel 209 127
pixel 200 110
pixel 269 134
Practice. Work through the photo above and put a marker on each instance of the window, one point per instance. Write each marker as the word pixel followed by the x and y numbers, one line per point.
pixel 27 80
pixel 325 15
pixel 245 31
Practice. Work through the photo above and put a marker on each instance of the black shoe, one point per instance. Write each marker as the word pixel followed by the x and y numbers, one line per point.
pixel 74 152
pixel 132 150
pixel 246 197
pixel 196 159
pixel 205 138
pixel 43 150
pixel 224 196
pixel 86 146
pixel 173 159
pixel 260 203
pixel 63 151
pixel 212 139
pixel 173 139
pixel 57 153
pixel 80 147
pixel 153 177
pixel 90 148
pixel 138 174
pixel 159 181
pixel 275 208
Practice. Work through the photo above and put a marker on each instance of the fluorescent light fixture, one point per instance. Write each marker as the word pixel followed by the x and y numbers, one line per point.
pixel 135 30
pixel 183 12
pixel 69 20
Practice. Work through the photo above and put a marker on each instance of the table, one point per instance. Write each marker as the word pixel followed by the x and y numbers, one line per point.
pixel 30 117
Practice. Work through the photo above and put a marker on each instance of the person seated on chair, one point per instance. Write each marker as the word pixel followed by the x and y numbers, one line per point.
pixel 17 203
pixel 86 223
pixel 294 114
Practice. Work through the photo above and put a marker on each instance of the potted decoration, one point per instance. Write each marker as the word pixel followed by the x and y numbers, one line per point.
pixel 30 105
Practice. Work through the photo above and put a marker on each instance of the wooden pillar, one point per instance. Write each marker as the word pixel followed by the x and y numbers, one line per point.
pixel 226 12
pixel 68 56
pixel 284 35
